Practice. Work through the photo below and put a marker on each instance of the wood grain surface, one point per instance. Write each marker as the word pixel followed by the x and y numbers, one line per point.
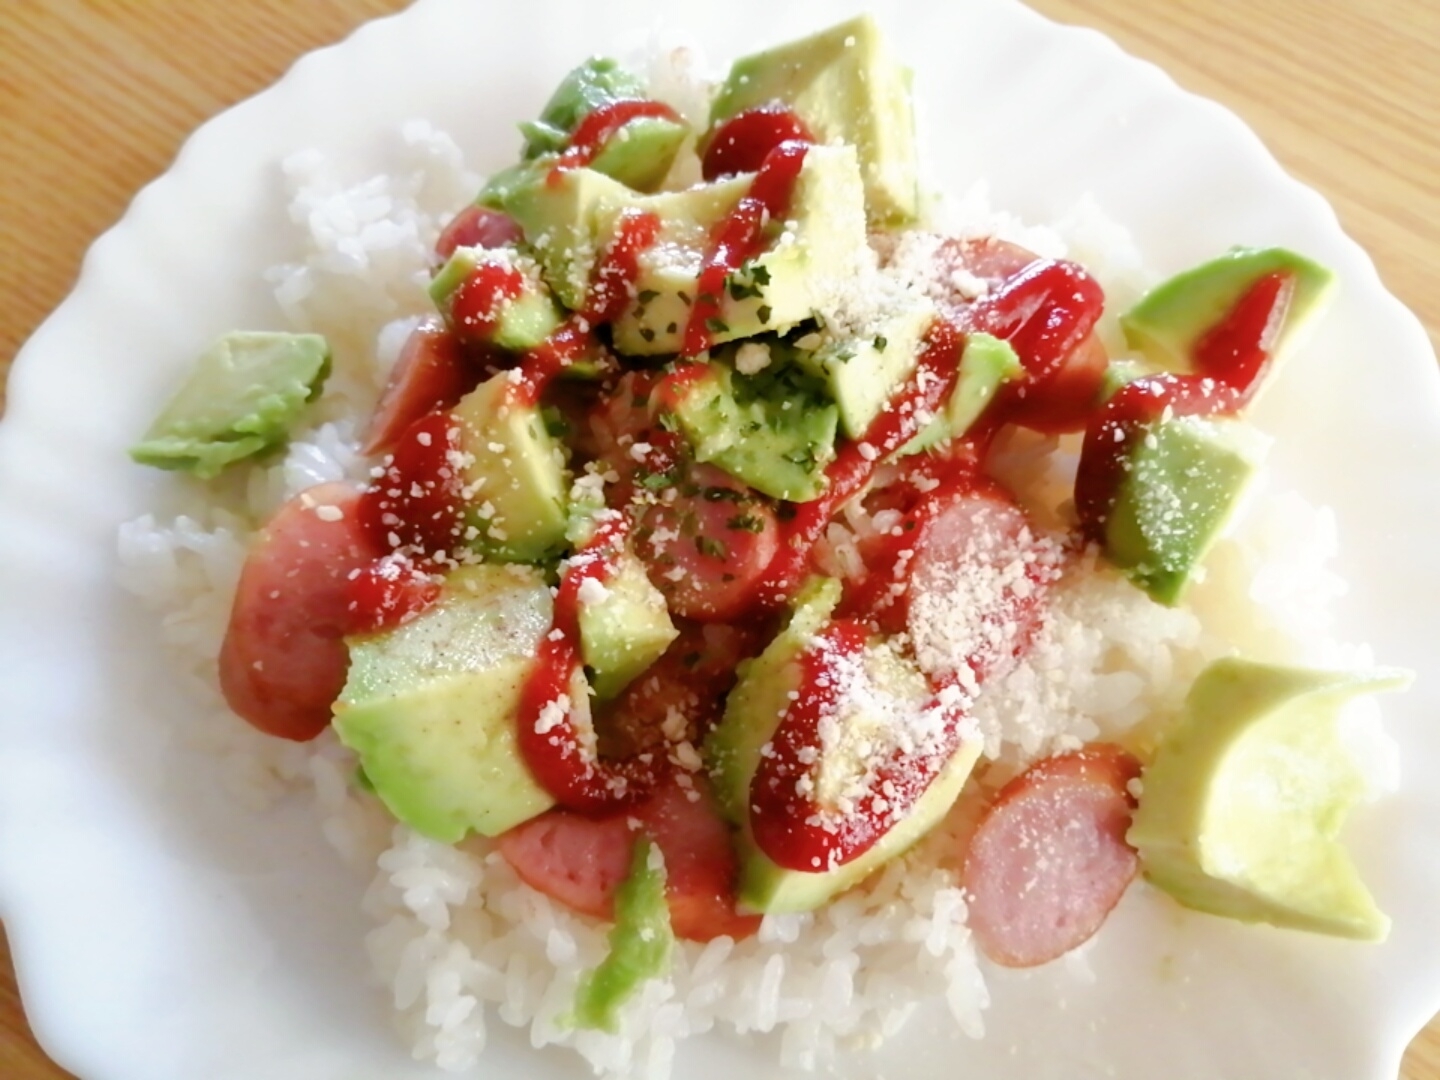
pixel 97 95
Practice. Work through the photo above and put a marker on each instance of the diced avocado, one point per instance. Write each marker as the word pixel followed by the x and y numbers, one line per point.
pixel 752 714
pixel 515 477
pixel 570 218
pixel 624 629
pixel 986 364
pixel 863 373
pixel 430 705
pixel 1171 318
pixel 810 258
pixel 846 86
pixel 772 430
pixel 501 186
pixel 733 745
pixel 598 81
pixel 521 322
pixel 1183 480
pixel 1240 812
pixel 640 154
pixel 557 214
pixel 242 396
pixel 640 942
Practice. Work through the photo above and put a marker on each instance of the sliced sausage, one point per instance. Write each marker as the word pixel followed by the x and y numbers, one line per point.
pixel 962 573
pixel 477 226
pixel 1049 860
pixel 283 662
pixel 707 542
pixel 431 373
pixel 581 861
pixel 569 857
pixel 978 580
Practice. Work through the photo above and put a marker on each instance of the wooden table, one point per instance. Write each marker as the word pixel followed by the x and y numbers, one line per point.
pixel 96 96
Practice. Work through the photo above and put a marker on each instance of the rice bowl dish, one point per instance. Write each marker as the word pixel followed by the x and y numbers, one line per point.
pixel 465 948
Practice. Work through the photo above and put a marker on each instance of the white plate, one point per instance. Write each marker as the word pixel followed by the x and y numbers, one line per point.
pixel 162 935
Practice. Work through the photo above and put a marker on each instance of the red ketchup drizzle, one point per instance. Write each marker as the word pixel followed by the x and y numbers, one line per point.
pixel 909 410
pixel 742 143
pixel 416 506
pixel 1046 310
pixel 1228 360
pixel 596 128
pixel 788 822
pixel 547 737
pixel 1236 351
pixel 611 287
pixel 476 304
pixel 389 592
pixel 741 236
pixel 550 744
pixel 414 511
pixel 610 290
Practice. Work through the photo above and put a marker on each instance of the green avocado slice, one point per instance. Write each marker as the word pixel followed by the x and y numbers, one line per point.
pixel 1240 812
pixel 522 322
pixel 773 429
pixel 987 364
pixel 1170 319
pixel 847 86
pixel 1184 479
pixel 641 942
pixel 597 82
pixel 752 714
pixel 624 629
pixel 638 155
pixel 430 706
pixel 808 259
pixel 241 398
pixel 515 476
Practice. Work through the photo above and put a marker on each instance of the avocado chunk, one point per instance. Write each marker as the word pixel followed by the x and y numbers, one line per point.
pixel 1241 810
pixel 641 152
pixel 515 479
pixel 1184 478
pixel 598 81
pixel 519 323
pixel 1170 320
pixel 240 399
pixel 810 258
pixel 558 218
pixel 640 942
pixel 624 627
pixel 847 86
pixel 430 706
pixel 500 186
pixel 863 371
pixel 986 364
pixel 638 155
pixel 773 430
pixel 752 715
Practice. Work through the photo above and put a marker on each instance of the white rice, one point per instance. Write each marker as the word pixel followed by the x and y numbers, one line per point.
pixel 459 941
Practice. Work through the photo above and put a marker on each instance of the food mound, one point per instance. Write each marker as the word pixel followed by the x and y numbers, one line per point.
pixel 747 597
